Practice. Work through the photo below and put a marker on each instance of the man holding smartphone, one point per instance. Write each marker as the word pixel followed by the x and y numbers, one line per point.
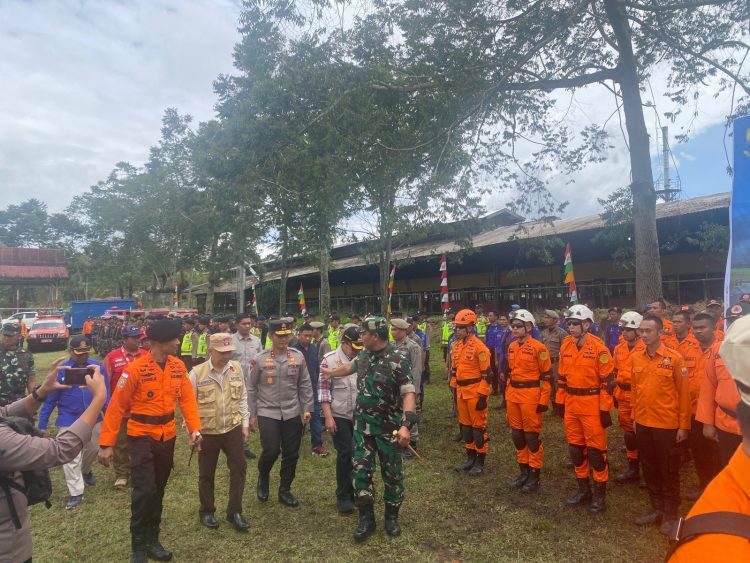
pixel 71 403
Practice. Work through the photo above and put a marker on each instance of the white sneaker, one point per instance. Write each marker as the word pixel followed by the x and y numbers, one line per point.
pixel 121 483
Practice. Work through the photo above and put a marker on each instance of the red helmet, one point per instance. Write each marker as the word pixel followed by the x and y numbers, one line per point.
pixel 465 317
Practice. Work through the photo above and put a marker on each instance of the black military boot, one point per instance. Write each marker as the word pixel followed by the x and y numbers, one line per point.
pixel 286 497
pixel 262 488
pixel 155 550
pixel 478 467
pixel 631 474
pixel 366 524
pixel 518 482
pixel 471 456
pixel 532 483
pixel 597 501
pixel 392 527
pixel 583 494
pixel 138 546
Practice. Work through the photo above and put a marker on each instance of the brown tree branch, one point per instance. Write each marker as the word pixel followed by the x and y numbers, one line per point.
pixel 671 7
pixel 573 82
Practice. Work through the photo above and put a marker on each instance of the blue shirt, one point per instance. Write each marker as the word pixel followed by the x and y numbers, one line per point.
pixel 491 337
pixel 423 338
pixel 612 336
pixel 71 402
pixel 311 358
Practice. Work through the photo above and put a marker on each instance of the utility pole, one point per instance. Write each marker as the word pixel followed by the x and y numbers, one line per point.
pixel 240 289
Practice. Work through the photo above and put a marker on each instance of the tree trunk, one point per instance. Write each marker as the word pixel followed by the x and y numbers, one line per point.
pixel 325 287
pixel 284 270
pixel 210 298
pixel 386 238
pixel 647 261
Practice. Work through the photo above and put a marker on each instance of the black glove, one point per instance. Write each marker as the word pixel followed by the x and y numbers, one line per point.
pixel 542 408
pixel 560 409
pixel 605 419
pixel 482 403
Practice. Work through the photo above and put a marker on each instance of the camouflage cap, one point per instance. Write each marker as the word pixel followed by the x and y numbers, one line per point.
pixel 11 329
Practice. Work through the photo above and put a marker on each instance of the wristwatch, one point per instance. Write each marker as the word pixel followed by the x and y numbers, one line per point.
pixel 36 395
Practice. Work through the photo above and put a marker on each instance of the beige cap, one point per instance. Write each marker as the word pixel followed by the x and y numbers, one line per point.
pixel 735 351
pixel 551 314
pixel 317 324
pixel 399 323
pixel 222 342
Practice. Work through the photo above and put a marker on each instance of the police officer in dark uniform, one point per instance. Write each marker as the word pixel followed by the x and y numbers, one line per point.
pixel 17 374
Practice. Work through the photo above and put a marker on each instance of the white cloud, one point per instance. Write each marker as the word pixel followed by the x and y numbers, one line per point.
pixel 85 85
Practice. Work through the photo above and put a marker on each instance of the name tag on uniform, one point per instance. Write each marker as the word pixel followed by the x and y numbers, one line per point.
pixel 269 380
pixel 205 382
pixel 293 370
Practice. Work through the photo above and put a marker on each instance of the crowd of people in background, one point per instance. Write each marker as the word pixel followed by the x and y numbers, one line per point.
pixel 362 380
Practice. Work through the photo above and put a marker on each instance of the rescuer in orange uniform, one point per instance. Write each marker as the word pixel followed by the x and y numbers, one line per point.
pixel 698 350
pixel 151 386
pixel 661 413
pixel 584 402
pixel 718 398
pixel 630 322
pixel 526 398
pixel 717 528
pixel 470 364
pixel 659 309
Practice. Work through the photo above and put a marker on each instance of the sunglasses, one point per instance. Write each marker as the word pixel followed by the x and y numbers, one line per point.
pixel 461 326
pixel 517 326
pixel 575 323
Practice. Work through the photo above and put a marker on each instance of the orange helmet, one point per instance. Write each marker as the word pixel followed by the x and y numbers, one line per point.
pixel 465 317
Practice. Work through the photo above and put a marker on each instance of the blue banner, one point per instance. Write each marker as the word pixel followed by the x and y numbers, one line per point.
pixel 737 280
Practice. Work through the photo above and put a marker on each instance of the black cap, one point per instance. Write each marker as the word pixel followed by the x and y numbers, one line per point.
pixel 164 330
pixel 280 327
pixel 11 329
pixel 204 319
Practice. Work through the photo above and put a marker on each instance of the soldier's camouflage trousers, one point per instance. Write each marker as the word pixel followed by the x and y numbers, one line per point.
pixel 391 469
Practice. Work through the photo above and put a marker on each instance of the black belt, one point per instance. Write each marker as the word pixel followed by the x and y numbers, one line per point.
pixel 463 382
pixel 582 391
pixel 148 419
pixel 524 384
pixel 727 412
pixel 624 386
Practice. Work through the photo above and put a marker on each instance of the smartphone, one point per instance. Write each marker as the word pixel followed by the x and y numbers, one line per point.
pixel 77 376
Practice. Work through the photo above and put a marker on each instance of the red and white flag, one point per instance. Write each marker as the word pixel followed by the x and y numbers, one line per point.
pixel 445 303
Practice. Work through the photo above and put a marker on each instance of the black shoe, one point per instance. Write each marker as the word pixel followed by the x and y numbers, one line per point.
pixel 344 505
pixel 478 467
pixel 209 521
pixel 518 482
pixel 138 557
pixel 597 501
pixel 286 497
pixel 89 478
pixel 631 474
pixel 471 457
pixel 238 521
pixel 366 524
pixel 249 454
pixel 155 550
pixel 392 527
pixel 532 483
pixel 583 495
pixel 653 517
pixel 262 488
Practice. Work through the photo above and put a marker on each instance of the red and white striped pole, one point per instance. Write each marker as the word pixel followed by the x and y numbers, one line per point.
pixel 445 303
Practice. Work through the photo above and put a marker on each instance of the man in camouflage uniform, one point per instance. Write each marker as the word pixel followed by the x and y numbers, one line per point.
pixel 17 374
pixel 386 404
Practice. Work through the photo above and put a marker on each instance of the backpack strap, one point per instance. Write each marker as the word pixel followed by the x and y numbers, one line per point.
pixel 6 484
pixel 729 523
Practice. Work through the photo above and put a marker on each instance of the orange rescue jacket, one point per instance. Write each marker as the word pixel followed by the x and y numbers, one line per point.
pixel 583 375
pixel 530 369
pixel 660 392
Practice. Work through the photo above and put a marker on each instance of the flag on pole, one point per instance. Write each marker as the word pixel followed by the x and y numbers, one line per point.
pixel 254 304
pixel 175 296
pixel 390 286
pixel 301 296
pixel 444 302
pixel 569 277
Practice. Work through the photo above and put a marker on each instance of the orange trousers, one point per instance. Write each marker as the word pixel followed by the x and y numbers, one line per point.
pixel 469 416
pixel 584 433
pixel 625 420
pixel 523 417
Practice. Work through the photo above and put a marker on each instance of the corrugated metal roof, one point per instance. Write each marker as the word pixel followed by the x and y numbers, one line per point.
pixel 32 264
pixel 502 235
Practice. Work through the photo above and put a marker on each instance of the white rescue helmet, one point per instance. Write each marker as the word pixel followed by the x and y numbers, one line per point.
pixel 580 313
pixel 525 316
pixel 631 319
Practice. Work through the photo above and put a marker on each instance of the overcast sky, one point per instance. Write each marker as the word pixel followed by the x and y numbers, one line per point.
pixel 84 85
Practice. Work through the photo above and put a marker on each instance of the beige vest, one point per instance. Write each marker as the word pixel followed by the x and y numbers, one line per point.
pixel 219 401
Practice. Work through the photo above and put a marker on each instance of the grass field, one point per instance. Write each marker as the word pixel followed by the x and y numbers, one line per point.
pixel 446 516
